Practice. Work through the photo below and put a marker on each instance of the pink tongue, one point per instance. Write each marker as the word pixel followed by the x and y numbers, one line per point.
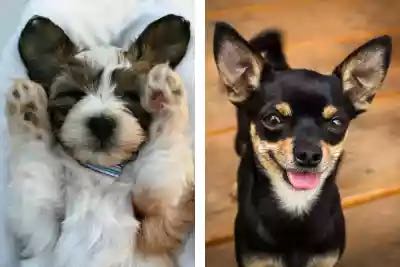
pixel 303 180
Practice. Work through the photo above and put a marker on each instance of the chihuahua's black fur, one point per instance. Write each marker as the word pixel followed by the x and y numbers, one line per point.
pixel 268 43
pixel 292 123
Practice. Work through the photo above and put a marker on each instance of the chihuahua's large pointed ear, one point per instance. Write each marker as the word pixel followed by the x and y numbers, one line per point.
pixel 44 48
pixel 163 40
pixel 238 64
pixel 364 70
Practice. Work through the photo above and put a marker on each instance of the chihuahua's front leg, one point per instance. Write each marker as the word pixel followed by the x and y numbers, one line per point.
pixel 34 187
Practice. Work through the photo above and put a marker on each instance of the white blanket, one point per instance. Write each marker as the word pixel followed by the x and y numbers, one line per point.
pixel 88 23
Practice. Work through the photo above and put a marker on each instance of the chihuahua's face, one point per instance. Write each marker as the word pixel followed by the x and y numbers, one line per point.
pixel 299 122
pixel 95 96
pixel 298 118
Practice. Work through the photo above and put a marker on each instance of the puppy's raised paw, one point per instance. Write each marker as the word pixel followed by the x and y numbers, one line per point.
pixel 164 89
pixel 27 110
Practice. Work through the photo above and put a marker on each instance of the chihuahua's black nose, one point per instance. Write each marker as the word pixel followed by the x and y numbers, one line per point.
pixel 101 127
pixel 307 156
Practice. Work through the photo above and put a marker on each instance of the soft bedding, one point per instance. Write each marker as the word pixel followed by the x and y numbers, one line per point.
pixel 89 23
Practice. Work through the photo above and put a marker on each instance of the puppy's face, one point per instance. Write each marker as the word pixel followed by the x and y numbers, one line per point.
pixel 95 114
pixel 298 118
pixel 94 95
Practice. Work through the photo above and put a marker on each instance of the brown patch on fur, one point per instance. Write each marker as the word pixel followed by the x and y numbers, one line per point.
pixel 284 151
pixel 284 109
pixel 31 106
pixel 130 80
pixel 131 83
pixel 163 228
pixel 332 151
pixel 261 149
pixel 174 85
pixel 76 76
pixel 75 80
pixel 328 112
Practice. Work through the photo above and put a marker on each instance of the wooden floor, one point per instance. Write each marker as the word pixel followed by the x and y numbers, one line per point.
pixel 372 238
pixel 318 35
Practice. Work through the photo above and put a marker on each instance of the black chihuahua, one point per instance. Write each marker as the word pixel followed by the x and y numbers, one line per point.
pixel 292 125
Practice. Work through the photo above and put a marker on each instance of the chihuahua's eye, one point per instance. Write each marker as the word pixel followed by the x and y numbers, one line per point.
pixel 336 122
pixel 272 122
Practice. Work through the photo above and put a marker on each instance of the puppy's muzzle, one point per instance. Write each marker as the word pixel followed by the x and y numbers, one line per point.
pixel 102 127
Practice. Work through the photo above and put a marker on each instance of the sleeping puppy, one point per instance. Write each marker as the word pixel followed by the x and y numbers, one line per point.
pixel 68 206
pixel 296 121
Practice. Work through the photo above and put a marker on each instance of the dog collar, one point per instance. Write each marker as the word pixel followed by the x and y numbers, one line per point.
pixel 112 171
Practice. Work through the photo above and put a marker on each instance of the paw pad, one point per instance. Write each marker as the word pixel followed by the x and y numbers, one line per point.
pixel 30 116
pixel 164 88
pixel 16 94
pixel 27 109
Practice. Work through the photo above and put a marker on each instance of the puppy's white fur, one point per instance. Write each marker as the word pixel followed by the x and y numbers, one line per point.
pixel 163 171
pixel 35 199
pixel 168 150
pixel 89 23
pixel 98 224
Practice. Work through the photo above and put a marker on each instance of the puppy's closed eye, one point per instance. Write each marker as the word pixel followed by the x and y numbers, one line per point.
pixel 131 96
pixel 75 94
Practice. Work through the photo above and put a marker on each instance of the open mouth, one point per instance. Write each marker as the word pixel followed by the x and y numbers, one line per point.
pixel 300 180
pixel 304 180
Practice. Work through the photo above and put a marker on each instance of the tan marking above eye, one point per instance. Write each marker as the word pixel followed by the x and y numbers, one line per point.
pixel 328 112
pixel 284 109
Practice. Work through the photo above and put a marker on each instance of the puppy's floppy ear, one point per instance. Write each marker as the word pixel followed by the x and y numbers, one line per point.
pixel 238 64
pixel 44 47
pixel 364 70
pixel 163 40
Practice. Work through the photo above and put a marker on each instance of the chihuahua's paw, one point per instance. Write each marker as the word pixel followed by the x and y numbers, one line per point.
pixel 27 110
pixel 164 88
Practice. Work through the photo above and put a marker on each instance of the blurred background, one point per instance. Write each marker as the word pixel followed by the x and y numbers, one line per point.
pixel 318 35
pixel 10 13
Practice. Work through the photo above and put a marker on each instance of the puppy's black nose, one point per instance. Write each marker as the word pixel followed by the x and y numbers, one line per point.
pixel 309 156
pixel 101 127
